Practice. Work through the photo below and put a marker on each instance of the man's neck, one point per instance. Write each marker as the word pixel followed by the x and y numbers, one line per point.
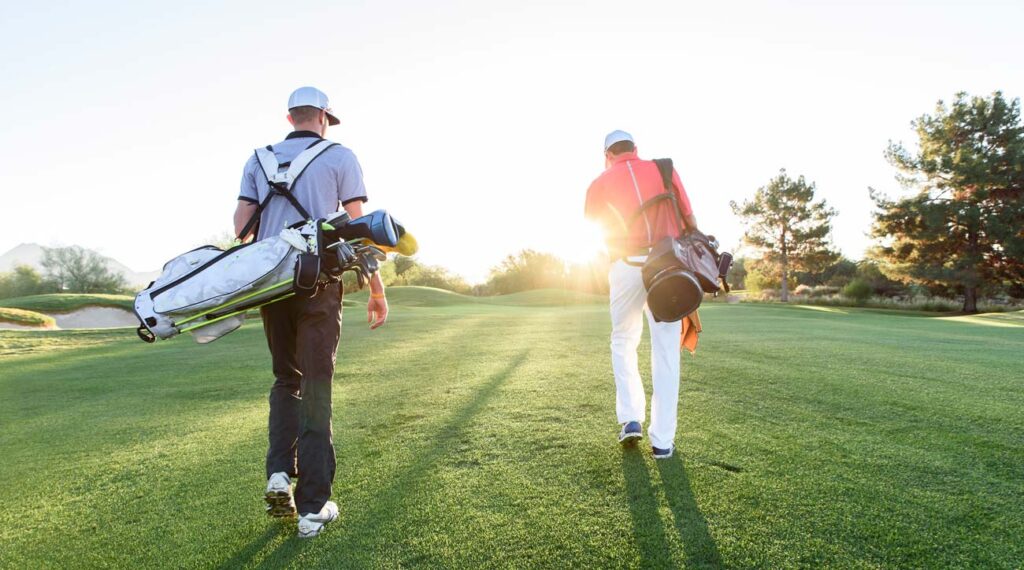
pixel 300 134
pixel 314 128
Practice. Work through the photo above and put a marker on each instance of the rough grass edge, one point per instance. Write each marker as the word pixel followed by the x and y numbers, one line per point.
pixel 68 302
pixel 927 306
pixel 28 318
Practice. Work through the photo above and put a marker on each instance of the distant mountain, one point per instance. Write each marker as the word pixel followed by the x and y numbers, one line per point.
pixel 31 254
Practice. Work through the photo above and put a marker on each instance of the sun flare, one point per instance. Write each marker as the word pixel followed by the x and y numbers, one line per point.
pixel 578 242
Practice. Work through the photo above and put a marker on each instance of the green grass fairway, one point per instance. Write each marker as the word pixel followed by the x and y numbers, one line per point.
pixel 483 435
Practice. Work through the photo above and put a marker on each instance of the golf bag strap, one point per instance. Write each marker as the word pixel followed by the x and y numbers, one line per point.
pixel 282 182
pixel 665 169
pixel 252 224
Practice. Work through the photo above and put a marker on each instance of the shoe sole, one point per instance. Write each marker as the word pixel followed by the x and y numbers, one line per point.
pixel 666 456
pixel 280 504
pixel 314 532
pixel 630 438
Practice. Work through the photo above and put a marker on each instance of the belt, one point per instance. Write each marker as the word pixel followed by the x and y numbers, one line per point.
pixel 625 256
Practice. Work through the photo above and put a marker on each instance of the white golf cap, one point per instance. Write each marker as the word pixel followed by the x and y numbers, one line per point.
pixel 312 97
pixel 616 136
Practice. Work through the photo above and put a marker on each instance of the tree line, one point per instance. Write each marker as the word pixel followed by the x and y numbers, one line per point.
pixel 65 270
pixel 957 231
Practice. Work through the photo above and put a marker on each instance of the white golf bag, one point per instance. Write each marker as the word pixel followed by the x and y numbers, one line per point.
pixel 207 291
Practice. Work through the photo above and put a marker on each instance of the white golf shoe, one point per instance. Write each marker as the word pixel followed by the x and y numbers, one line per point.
pixel 311 524
pixel 279 496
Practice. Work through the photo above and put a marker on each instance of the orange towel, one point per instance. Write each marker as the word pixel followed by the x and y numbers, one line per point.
pixel 691 328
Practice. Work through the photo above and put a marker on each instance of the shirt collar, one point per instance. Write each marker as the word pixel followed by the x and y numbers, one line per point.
pixel 302 135
pixel 631 155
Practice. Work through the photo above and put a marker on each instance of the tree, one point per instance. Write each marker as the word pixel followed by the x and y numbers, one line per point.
pixel 963 226
pixel 21 282
pixel 526 270
pixel 77 270
pixel 789 228
pixel 738 274
pixel 403 265
pixel 837 274
pixel 870 273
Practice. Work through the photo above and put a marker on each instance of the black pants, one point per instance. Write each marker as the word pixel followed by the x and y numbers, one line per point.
pixel 303 338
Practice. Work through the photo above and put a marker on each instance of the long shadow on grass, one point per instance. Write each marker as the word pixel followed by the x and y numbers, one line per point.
pixel 387 503
pixel 701 551
pixel 648 527
pixel 242 557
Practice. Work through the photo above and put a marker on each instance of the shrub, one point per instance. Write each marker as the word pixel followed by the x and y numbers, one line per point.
pixel 803 290
pixel 757 280
pixel 824 291
pixel 858 290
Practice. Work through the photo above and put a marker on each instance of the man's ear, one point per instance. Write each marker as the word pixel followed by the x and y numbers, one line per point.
pixel 290 119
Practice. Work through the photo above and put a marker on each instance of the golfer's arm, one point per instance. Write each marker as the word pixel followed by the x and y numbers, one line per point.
pixel 355 210
pixel 243 213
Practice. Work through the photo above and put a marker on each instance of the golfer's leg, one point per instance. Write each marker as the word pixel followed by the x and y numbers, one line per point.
pixel 283 425
pixel 665 380
pixel 319 329
pixel 626 299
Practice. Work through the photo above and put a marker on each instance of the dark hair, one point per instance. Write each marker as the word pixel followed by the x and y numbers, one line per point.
pixel 621 147
pixel 304 114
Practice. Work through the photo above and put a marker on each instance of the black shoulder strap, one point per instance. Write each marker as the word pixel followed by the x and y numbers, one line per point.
pixel 666 169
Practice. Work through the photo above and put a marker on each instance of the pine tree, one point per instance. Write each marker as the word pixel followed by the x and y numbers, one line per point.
pixel 963 226
pixel 788 227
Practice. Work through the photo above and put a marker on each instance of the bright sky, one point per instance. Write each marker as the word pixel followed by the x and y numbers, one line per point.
pixel 478 124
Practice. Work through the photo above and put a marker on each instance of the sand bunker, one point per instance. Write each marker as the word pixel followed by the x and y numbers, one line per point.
pixel 95 318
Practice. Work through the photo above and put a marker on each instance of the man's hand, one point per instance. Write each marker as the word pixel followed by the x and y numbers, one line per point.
pixel 376 310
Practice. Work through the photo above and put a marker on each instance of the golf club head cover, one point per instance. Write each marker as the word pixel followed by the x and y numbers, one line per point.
pixel 377 227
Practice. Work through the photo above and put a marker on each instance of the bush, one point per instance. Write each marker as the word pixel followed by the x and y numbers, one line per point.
pixel 803 290
pixel 22 282
pixel 824 291
pixel 858 291
pixel 758 280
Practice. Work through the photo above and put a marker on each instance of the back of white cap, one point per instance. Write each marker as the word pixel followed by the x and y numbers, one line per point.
pixel 616 136
pixel 312 97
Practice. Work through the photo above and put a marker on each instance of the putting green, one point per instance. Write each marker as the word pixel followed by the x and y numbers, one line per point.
pixel 483 435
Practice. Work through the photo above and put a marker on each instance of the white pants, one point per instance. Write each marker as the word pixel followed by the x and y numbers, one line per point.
pixel 628 305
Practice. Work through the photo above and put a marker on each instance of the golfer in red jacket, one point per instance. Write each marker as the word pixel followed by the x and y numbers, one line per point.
pixel 614 200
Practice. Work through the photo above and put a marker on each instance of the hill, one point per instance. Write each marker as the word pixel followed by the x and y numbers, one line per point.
pixel 415 296
pixel 31 254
